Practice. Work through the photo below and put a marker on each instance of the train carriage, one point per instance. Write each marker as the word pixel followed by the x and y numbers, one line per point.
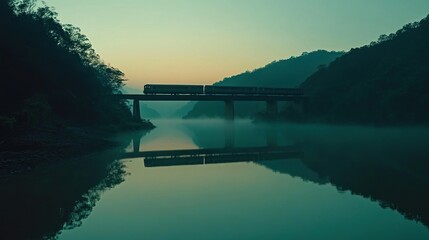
pixel 218 90
pixel 173 89
pixel 280 91
pixel 230 90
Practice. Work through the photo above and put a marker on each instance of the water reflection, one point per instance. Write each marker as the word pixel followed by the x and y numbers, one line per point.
pixel 257 188
pixel 275 199
pixel 42 203
pixel 202 156
pixel 388 166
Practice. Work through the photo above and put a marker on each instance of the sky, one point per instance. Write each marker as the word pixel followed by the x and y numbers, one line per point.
pixel 204 41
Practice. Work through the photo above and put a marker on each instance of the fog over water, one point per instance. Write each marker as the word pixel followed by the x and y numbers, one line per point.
pixel 337 186
pixel 207 179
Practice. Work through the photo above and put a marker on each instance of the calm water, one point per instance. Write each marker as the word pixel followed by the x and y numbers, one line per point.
pixel 231 181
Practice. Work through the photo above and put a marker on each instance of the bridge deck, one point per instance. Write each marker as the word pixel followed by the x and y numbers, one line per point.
pixel 145 97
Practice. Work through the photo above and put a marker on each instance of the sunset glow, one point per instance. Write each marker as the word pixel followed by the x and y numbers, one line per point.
pixel 194 41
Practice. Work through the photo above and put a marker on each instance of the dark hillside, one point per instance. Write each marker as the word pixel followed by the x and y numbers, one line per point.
pixel 386 82
pixel 283 73
pixel 56 94
pixel 49 71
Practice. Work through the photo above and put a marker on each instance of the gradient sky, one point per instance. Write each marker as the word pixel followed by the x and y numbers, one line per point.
pixel 203 41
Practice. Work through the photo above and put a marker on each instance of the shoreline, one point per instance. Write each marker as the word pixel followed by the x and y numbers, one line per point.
pixel 43 145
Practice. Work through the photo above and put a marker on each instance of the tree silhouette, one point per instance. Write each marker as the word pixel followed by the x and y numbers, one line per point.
pixel 385 82
pixel 283 73
pixel 40 56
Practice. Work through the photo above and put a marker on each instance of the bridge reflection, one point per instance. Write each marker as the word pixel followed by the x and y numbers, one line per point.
pixel 227 154
pixel 214 155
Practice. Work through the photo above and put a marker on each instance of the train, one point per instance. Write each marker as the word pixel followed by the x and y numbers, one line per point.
pixel 153 89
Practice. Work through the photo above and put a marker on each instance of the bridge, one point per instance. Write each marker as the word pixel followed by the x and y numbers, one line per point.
pixel 271 101
pixel 166 158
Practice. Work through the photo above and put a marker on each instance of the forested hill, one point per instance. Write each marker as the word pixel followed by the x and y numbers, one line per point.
pixel 49 71
pixel 385 82
pixel 284 73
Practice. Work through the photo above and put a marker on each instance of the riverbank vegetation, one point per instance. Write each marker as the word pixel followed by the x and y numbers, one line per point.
pixel 52 82
pixel 383 83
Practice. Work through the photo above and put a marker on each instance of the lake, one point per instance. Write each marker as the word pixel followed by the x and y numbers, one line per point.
pixel 209 179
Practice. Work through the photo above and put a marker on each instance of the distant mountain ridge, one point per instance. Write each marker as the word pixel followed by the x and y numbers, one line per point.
pixel 289 72
pixel 283 73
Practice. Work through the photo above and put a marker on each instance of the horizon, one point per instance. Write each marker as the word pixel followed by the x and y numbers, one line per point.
pixel 202 42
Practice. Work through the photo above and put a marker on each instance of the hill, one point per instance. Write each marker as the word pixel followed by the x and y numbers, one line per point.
pixel 56 94
pixel 385 82
pixel 283 73
pixel 50 74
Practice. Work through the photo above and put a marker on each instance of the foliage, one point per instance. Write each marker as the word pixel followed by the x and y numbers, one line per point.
pixel 283 73
pixel 385 82
pixel 40 56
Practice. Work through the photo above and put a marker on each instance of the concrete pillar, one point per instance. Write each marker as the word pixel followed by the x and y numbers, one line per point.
pixel 229 110
pixel 136 110
pixel 136 143
pixel 272 109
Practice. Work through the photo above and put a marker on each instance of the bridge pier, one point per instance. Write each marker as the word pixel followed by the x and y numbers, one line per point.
pixel 272 109
pixel 136 142
pixel 136 110
pixel 271 100
pixel 229 110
